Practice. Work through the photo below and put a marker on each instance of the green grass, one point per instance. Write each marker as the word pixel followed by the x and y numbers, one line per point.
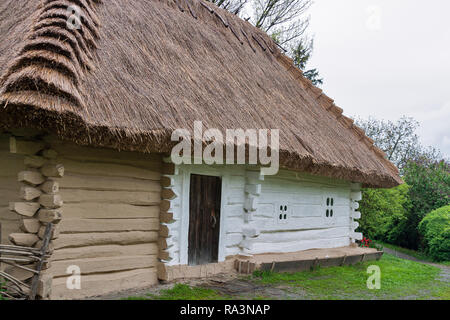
pixel 183 292
pixel 400 279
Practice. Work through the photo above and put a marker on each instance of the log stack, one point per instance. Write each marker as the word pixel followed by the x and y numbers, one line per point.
pixel 169 219
pixel 41 202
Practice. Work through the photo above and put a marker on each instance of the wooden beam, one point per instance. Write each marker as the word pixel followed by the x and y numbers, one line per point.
pixel 50 154
pixel 164 255
pixel 50 216
pixel 166 182
pixel 105 238
pixel 165 205
pixel 105 264
pixel 166 217
pixel 168 168
pixel 164 231
pixel 51 201
pixel 30 225
pixel 168 194
pixel 27 209
pixel 29 193
pixel 31 177
pixel 25 132
pixel 50 187
pixel 111 211
pixel 54 234
pixel 23 239
pixel 105 251
pixel 34 161
pixel 138 198
pixel 53 171
pixel 26 147
pixel 108 225
pixel 110 169
pixel 45 245
pixel 104 183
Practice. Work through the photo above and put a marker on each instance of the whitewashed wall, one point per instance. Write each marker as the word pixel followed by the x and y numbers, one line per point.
pixel 291 214
pixel 250 212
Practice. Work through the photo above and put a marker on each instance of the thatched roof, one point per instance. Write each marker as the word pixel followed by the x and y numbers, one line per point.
pixel 137 70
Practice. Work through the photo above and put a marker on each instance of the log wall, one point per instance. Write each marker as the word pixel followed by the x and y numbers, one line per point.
pixel 110 220
pixel 10 166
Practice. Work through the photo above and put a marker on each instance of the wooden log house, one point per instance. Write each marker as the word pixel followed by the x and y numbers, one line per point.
pixel 86 117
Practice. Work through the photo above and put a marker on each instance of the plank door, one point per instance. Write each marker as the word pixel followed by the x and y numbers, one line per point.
pixel 204 219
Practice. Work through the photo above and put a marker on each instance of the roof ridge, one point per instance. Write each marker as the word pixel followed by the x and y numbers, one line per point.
pixel 55 55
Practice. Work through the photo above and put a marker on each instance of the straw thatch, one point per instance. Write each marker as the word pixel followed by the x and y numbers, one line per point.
pixel 137 70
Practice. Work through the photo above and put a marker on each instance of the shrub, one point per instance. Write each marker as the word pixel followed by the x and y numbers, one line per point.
pixel 435 229
pixel 429 190
pixel 430 185
pixel 382 211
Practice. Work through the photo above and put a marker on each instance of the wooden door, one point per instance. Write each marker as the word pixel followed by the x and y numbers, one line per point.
pixel 204 219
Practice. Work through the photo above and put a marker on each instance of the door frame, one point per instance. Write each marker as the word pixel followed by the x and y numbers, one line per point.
pixel 205 170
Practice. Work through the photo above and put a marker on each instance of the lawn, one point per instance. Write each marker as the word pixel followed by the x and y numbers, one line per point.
pixel 400 279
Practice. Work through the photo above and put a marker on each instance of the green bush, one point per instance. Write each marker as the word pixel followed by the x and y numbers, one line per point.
pixel 429 190
pixel 382 211
pixel 435 229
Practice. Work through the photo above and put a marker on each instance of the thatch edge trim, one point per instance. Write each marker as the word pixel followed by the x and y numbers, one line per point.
pixel 159 141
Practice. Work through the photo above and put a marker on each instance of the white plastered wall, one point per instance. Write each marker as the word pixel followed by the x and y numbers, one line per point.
pixel 250 212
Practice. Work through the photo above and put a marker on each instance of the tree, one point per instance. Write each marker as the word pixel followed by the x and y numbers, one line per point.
pixel 435 230
pixel 429 190
pixel 234 6
pixel 382 210
pixel 300 55
pixel 398 140
pixel 283 18
pixel 286 23
pixel 422 169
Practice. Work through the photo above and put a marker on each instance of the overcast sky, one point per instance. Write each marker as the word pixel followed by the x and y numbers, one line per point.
pixel 387 58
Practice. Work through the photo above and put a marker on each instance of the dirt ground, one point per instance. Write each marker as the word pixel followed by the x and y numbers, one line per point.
pixel 225 284
pixel 445 271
